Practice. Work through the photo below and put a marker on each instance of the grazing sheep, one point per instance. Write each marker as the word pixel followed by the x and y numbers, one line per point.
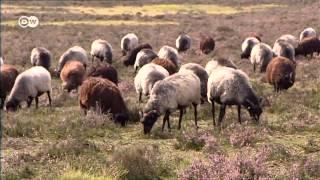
pixel 30 84
pixel 102 50
pixel 167 64
pixel 174 92
pixel 132 55
pixel 72 75
pixel 170 53
pixel 147 76
pixel 289 39
pixel 202 75
pixel 280 73
pixel 247 46
pixel 284 49
pixel 8 75
pixel 308 32
pixel 103 96
pixel 214 63
pixel 73 53
pixel 207 44
pixel 128 43
pixel 145 56
pixel 227 87
pixel 308 46
pixel 262 54
pixel 40 56
pixel 183 42
pixel 104 71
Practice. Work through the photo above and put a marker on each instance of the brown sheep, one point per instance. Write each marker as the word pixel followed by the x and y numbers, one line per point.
pixel 207 44
pixel 308 46
pixel 104 71
pixel 96 92
pixel 131 57
pixel 72 75
pixel 280 73
pixel 167 64
pixel 7 77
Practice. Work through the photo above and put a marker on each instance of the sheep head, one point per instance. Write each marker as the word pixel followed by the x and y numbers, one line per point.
pixel 148 120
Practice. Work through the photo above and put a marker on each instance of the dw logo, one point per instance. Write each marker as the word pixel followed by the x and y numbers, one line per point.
pixel 31 21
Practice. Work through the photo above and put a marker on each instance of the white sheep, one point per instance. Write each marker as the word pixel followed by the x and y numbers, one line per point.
pixel 170 53
pixel 227 87
pixel 28 85
pixel 144 57
pixel 147 76
pixel 214 63
pixel 129 42
pixel 289 39
pixel 177 91
pixel 247 46
pixel 41 56
pixel 102 50
pixel 261 54
pixel 284 49
pixel 183 42
pixel 308 32
pixel 74 53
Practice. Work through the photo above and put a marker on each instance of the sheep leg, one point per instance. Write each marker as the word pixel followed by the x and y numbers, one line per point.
pixel 213 112
pixel 92 58
pixel 2 103
pixel 168 120
pixel 239 113
pixel 180 118
pixel 29 101
pixel 49 97
pixel 164 122
pixel 221 114
pixel 37 101
pixel 140 97
pixel 254 67
pixel 195 115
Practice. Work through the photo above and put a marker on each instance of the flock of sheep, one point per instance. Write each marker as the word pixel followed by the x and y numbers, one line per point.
pixel 160 77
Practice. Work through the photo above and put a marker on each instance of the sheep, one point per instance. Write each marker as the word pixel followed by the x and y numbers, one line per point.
pixel 105 71
pixel 104 96
pixel 40 56
pixel 207 44
pixel 102 50
pixel 284 49
pixel 214 63
pixel 280 73
pixel 308 32
pixel 147 76
pixel 308 46
pixel 289 39
pixel 73 53
pixel 262 54
pixel 167 64
pixel 174 92
pixel 132 55
pixel 72 75
pixel 202 75
pixel 170 53
pixel 144 57
pixel 183 42
pixel 7 77
pixel 128 43
pixel 247 46
pixel 29 85
pixel 227 87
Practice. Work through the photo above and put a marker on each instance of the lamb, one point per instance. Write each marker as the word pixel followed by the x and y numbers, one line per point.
pixel 106 72
pixel 128 43
pixel 280 73
pixel 227 87
pixel 7 77
pixel 284 49
pixel 262 54
pixel 167 64
pixel 289 39
pixel 29 85
pixel 102 50
pixel 202 75
pixel 308 46
pixel 147 76
pixel 73 53
pixel 308 32
pixel 174 92
pixel 72 75
pixel 183 42
pixel 207 44
pixel 170 53
pixel 41 56
pixel 103 95
pixel 214 63
pixel 132 55
pixel 247 46
pixel 145 56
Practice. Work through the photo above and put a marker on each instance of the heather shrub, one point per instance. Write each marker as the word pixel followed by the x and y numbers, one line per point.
pixel 308 168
